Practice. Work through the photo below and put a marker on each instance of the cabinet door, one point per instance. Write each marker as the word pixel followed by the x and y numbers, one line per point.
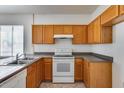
pixel 106 35
pixel 86 73
pixel 58 29
pixel 38 73
pixel 78 69
pixel 37 34
pixel 48 34
pixel 48 69
pixel 97 31
pixel 31 80
pixel 67 29
pixel 109 14
pixel 101 75
pixel 42 70
pixel 80 34
pixel 121 9
pixel 90 33
pixel 31 76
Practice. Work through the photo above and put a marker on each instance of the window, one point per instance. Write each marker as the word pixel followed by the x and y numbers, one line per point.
pixel 11 40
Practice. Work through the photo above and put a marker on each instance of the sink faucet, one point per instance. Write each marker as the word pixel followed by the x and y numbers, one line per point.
pixel 18 55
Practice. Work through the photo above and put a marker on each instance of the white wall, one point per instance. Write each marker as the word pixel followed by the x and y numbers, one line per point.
pixel 62 43
pixel 61 19
pixel 98 12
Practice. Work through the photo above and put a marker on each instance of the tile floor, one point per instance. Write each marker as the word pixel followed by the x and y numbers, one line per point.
pixel 51 85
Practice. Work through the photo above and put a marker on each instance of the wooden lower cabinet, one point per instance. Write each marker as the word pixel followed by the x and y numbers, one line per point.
pixel 94 74
pixel 79 69
pixel 34 75
pixel 38 73
pixel 48 69
pixel 86 73
pixel 31 76
pixel 98 74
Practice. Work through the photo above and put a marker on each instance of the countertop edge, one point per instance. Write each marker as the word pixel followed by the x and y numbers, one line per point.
pixel 12 74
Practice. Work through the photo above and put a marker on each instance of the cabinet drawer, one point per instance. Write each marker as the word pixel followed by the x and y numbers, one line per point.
pixel 48 59
pixel 78 60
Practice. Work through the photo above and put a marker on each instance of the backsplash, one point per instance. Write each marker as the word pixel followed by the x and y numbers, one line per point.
pixel 61 43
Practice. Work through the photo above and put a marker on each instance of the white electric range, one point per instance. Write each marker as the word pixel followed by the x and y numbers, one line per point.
pixel 63 66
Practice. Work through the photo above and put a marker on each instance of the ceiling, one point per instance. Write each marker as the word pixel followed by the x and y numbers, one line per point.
pixel 47 9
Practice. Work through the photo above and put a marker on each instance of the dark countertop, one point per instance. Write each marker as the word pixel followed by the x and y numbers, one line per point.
pixel 91 57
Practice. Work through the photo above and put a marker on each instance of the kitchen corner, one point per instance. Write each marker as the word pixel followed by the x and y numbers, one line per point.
pixel 8 70
pixel 69 46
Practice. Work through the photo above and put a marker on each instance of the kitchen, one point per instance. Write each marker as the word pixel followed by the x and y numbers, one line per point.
pixel 74 48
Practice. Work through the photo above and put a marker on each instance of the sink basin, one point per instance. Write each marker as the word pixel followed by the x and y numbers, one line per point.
pixel 20 62
pixel 3 57
pixel 16 63
pixel 28 58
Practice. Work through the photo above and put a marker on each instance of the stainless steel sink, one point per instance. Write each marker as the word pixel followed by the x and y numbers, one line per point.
pixel 26 60
pixel 3 57
pixel 16 63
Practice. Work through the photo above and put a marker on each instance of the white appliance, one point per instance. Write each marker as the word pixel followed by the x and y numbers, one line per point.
pixel 59 36
pixel 63 66
pixel 16 81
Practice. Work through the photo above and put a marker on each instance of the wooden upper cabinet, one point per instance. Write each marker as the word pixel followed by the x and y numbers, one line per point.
pixel 98 34
pixel 37 34
pixel 58 29
pixel 121 9
pixel 97 31
pixel 67 29
pixel 62 29
pixel 42 34
pixel 90 33
pixel 106 34
pixel 48 33
pixel 79 69
pixel 111 13
pixel 80 34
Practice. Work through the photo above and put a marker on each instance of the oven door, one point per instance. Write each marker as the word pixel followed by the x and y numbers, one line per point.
pixel 63 67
